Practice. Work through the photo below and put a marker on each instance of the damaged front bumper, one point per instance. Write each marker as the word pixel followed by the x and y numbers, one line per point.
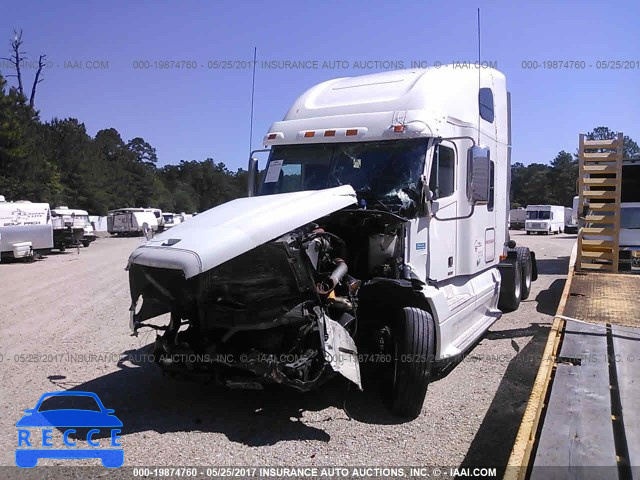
pixel 262 317
pixel 253 369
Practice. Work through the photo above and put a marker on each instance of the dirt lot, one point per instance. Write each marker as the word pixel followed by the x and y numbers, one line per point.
pixel 77 304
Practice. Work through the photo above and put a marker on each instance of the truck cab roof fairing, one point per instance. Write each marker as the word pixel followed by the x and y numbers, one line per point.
pixel 233 228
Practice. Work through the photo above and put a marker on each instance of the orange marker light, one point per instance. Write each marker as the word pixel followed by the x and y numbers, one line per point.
pixel 272 136
pixel 309 134
pixel 330 133
pixel 398 128
pixel 352 132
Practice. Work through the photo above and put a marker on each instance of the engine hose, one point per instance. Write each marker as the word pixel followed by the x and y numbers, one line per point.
pixel 324 288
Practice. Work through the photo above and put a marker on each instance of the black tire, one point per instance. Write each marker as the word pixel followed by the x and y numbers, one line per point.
pixel 414 351
pixel 526 265
pixel 62 248
pixel 509 300
pixel 528 233
pixel 86 243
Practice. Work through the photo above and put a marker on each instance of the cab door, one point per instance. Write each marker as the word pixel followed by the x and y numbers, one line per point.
pixel 442 235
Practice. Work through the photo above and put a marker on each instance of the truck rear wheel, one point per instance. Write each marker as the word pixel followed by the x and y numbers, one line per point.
pixel 526 266
pixel 414 350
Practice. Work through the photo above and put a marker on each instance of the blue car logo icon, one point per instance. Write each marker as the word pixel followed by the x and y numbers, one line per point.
pixel 31 449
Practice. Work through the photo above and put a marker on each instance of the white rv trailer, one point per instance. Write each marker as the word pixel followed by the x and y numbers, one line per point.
pixel 79 220
pixel 130 221
pixel 544 219
pixel 380 227
pixel 25 229
pixel 68 227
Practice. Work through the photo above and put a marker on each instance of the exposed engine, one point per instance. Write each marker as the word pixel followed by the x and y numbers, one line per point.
pixel 285 312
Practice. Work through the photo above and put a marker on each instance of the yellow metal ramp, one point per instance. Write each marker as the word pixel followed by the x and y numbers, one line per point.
pixel 600 192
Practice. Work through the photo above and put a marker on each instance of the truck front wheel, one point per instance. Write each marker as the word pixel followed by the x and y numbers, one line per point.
pixel 414 350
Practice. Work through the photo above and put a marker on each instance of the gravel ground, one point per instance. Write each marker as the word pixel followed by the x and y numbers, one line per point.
pixel 77 303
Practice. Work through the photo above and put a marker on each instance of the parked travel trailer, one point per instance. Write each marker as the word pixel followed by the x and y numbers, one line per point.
pixel 25 229
pixel 544 219
pixel 171 220
pixel 517 217
pixel 130 221
pixel 68 227
pixel 81 220
pixel 380 228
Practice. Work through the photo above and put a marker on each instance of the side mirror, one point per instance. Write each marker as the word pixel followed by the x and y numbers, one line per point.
pixel 253 177
pixel 478 169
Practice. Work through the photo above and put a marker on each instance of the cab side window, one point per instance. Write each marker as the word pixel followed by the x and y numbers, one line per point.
pixel 442 178
pixel 485 104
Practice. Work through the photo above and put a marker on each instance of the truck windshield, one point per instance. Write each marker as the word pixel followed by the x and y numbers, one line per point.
pixel 377 171
pixel 538 215
pixel 630 218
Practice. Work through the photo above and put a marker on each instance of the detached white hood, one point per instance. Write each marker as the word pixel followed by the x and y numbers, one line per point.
pixel 231 229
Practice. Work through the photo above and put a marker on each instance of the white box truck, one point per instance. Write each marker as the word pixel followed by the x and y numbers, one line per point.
pixel 377 239
pixel 25 229
pixel 131 221
pixel 546 219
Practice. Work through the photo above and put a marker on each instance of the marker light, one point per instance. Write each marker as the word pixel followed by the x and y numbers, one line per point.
pixel 272 136
pixel 309 134
pixel 352 132
pixel 398 128
pixel 330 133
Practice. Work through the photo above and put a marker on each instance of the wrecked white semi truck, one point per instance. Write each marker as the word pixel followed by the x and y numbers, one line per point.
pixel 377 237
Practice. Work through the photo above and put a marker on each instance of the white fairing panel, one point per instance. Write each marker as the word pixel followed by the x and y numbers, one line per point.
pixel 231 229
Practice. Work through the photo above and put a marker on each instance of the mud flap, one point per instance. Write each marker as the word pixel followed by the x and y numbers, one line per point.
pixel 534 264
pixel 340 350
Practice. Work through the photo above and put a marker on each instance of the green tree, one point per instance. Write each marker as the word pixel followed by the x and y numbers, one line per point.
pixel 631 148
pixel 25 170
pixel 564 175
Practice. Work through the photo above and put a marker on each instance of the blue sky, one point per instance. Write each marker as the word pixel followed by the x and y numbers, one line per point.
pixel 192 114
